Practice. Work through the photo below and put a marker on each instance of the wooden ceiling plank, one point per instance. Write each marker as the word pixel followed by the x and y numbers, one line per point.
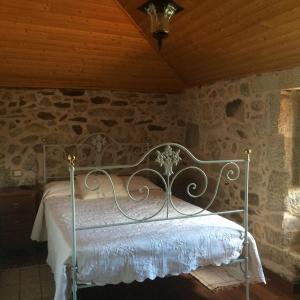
pixel 268 47
pixel 84 10
pixel 72 23
pixel 80 51
pixel 82 60
pixel 285 36
pixel 275 65
pixel 259 31
pixel 238 29
pixel 8 28
pixel 221 15
pixel 85 81
pixel 276 59
pixel 39 82
pixel 115 69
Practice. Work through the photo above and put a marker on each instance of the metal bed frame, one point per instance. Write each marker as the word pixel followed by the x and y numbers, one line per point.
pixel 167 157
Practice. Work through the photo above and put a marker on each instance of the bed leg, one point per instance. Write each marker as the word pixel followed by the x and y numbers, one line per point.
pixel 247 278
pixel 74 283
pixel 247 289
pixel 74 290
pixel 246 224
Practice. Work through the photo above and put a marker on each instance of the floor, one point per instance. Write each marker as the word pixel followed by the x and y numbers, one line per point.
pixel 27 283
pixel 27 277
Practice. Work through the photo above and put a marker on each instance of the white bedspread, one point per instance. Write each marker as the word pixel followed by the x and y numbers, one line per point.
pixel 139 251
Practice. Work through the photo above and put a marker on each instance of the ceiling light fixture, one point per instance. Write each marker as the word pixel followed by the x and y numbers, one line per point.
pixel 160 12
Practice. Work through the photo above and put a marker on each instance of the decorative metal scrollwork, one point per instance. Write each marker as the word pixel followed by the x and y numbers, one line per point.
pixel 97 186
pixel 168 159
pixel 144 190
pixel 232 174
pixel 99 142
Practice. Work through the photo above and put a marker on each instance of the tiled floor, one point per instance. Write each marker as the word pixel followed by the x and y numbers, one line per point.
pixel 27 283
pixel 27 277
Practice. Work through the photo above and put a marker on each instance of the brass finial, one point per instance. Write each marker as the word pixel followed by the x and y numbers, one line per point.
pixel 248 151
pixel 71 159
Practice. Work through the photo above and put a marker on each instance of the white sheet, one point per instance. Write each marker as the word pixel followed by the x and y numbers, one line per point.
pixel 139 251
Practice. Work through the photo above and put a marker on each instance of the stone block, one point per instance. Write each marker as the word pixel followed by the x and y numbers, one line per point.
pixel 16 160
pixel 30 139
pixel 45 101
pixel 100 100
pixel 292 202
pixel 109 123
pixel 274 237
pixel 273 106
pixel 256 180
pixel 244 89
pixel 77 129
pixel 235 109
pixel 257 105
pixel 253 199
pixel 62 104
pixel 119 103
pixel 80 107
pixel 114 113
pixel 79 119
pixel 218 110
pixel 192 135
pixel 276 152
pixel 46 116
pixel 7 96
pixel 214 148
pixel 289 78
pixel 291 223
pixel 72 92
pixel 238 131
pixel 273 220
pixel 277 190
pixel 12 148
pixel 29 99
pixel 272 253
pixel 30 163
pixel 206 112
pixel 264 82
pixel 261 128
pixel 36 128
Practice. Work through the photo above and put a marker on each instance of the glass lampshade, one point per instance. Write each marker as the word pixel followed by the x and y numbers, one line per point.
pixel 160 19
pixel 160 13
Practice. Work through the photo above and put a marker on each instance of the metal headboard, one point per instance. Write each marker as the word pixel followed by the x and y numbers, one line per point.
pixel 95 149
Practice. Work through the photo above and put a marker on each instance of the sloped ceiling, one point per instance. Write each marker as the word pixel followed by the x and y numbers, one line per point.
pixel 78 43
pixel 107 43
pixel 221 39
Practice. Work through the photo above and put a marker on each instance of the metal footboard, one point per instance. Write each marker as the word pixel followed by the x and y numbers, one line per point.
pixel 169 164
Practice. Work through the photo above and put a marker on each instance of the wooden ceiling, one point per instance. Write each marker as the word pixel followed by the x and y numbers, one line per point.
pixel 221 39
pixel 107 43
pixel 77 43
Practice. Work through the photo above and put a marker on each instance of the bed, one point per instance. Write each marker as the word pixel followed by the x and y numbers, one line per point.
pixel 120 222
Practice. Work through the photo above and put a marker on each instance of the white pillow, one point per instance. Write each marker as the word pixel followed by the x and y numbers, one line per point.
pixel 105 188
pixel 57 189
pixel 138 182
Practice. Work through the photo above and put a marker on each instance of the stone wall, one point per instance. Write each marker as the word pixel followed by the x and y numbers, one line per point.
pixel 30 118
pixel 253 112
pixel 216 121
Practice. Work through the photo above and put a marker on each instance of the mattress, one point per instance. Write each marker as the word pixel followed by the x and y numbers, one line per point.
pixel 139 251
